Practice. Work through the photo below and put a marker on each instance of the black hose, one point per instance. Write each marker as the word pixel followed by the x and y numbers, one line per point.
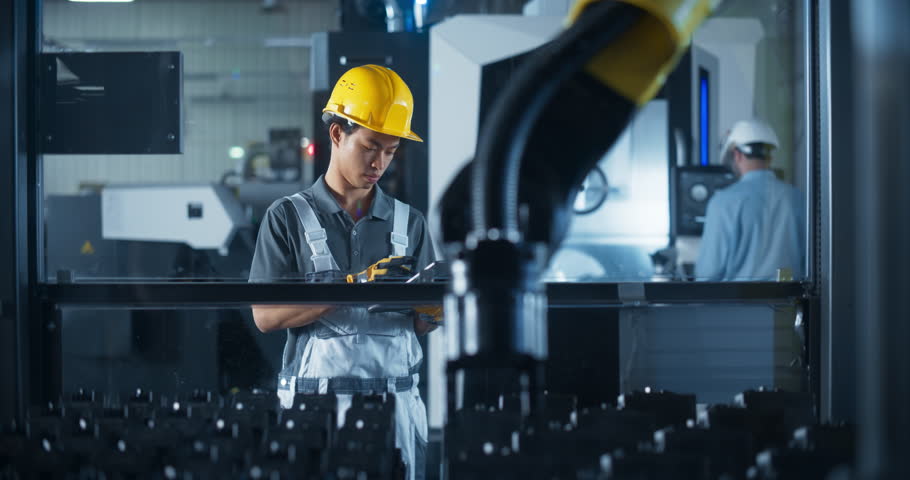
pixel 501 147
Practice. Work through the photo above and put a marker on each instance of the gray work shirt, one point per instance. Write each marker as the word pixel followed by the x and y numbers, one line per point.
pixel 282 254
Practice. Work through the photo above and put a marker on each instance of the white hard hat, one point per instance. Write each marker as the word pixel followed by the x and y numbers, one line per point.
pixel 746 132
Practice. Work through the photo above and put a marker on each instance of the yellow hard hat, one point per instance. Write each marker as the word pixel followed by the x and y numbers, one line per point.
pixel 374 97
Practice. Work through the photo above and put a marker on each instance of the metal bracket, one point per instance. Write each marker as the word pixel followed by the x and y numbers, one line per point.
pixel 632 293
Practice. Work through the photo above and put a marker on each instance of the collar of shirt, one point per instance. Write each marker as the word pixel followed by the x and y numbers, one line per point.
pixel 381 208
pixel 756 174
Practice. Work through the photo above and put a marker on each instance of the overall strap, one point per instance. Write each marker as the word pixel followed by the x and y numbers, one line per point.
pixel 316 236
pixel 399 236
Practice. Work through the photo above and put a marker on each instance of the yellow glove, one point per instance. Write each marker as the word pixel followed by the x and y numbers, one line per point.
pixel 395 264
pixel 432 314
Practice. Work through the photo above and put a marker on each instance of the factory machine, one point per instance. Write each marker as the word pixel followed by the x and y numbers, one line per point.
pixel 152 231
pixel 650 188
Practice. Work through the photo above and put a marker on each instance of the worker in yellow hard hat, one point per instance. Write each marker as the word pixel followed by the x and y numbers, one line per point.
pixel 345 225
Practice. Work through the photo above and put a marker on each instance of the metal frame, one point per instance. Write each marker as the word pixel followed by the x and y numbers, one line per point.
pixel 824 266
pixel 37 306
pixel 214 294
pixel 880 233
pixel 808 13
pixel 9 287
pixel 20 172
pixel 821 60
pixel 835 229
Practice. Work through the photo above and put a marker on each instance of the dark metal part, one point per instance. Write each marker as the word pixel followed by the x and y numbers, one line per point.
pixel 655 294
pixel 881 233
pixel 669 409
pixel 561 295
pixel 498 314
pixel 729 453
pixel 9 149
pixel 112 103
pixel 811 313
pixel 20 172
pixel 45 382
pixel 837 162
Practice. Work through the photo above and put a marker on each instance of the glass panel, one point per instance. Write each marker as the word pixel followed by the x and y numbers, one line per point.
pixel 176 351
pixel 182 375
pixel 199 387
pixel 641 215
pixel 256 76
pixel 595 354
pixel 711 351
pixel 254 79
pixel 660 218
pixel 248 120
pixel 167 351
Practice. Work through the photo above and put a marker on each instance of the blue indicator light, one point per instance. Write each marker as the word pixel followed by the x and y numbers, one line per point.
pixel 704 131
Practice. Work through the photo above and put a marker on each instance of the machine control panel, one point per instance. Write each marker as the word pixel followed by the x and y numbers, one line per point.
pixel 694 188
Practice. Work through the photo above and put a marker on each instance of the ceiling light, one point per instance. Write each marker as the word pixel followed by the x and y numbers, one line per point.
pixel 102 1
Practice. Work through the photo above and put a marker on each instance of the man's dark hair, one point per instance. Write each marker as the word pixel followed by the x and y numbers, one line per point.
pixel 347 126
pixel 757 151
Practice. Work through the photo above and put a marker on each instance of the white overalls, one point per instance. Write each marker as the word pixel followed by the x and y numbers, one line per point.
pixel 353 351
